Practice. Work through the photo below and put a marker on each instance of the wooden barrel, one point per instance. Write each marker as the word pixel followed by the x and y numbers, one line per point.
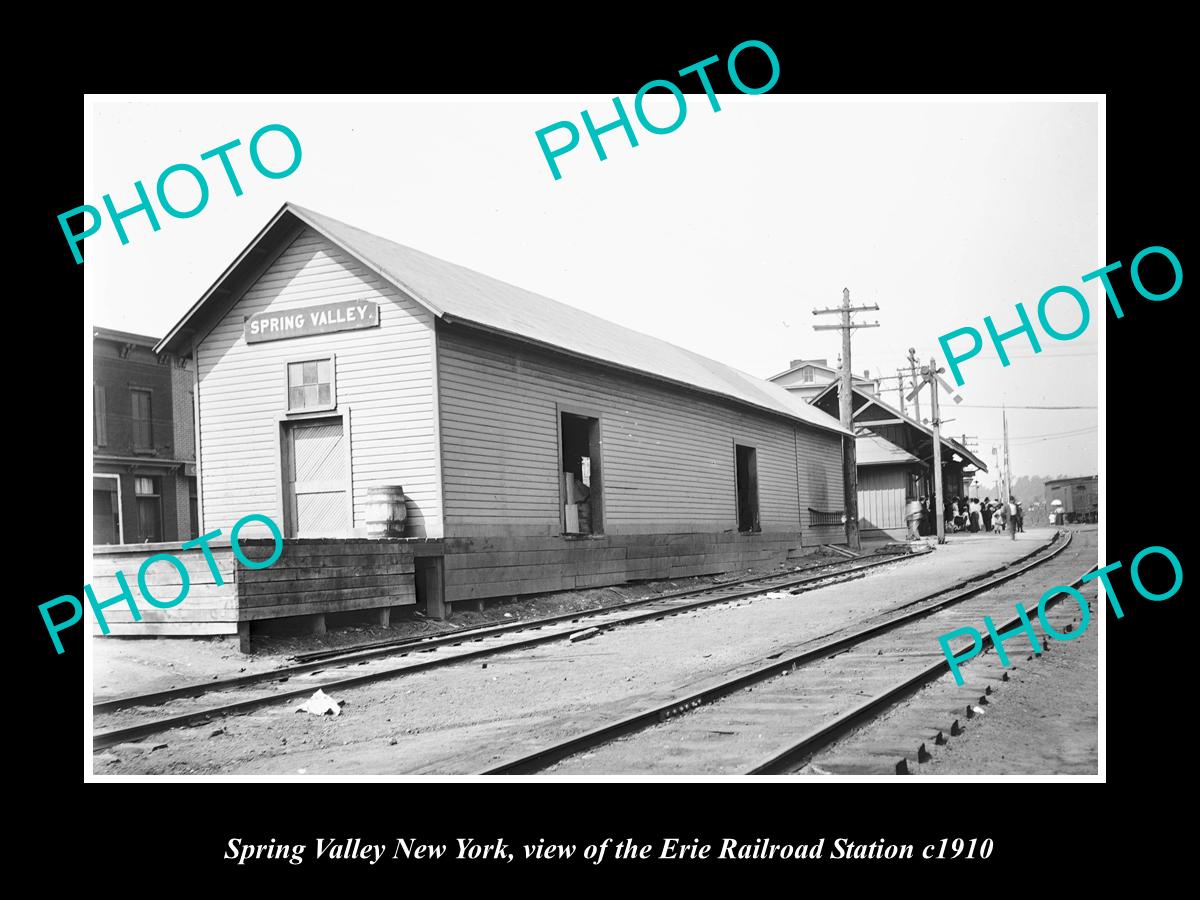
pixel 386 511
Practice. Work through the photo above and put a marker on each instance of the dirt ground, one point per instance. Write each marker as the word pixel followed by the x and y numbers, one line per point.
pixel 464 717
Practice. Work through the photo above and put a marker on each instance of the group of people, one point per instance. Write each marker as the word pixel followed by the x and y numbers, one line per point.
pixel 973 514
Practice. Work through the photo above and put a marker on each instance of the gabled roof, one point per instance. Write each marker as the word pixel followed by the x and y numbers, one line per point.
pixel 872 450
pixel 457 294
pixel 871 399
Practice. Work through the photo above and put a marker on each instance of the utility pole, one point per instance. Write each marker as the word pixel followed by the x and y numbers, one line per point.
pixel 846 409
pixel 937 453
pixel 932 375
pixel 912 368
pixel 1012 520
pixel 900 389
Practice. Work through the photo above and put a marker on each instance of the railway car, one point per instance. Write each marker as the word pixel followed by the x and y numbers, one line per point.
pixel 1079 499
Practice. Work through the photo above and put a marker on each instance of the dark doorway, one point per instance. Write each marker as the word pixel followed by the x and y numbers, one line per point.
pixel 149 509
pixel 106 512
pixel 193 509
pixel 747 489
pixel 580 480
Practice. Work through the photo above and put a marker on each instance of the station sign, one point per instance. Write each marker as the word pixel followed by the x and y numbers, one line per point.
pixel 347 315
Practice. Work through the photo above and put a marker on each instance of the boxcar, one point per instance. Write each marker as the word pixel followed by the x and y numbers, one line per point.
pixel 1080 498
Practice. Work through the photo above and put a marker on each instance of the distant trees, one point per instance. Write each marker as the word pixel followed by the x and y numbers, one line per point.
pixel 1031 488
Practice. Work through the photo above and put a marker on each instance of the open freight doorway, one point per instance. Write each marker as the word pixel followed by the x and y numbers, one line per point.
pixel 747 489
pixel 581 482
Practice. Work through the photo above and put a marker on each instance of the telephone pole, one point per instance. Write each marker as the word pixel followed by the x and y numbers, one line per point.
pixel 935 422
pixel 1012 520
pixel 916 399
pixel 932 376
pixel 900 389
pixel 846 409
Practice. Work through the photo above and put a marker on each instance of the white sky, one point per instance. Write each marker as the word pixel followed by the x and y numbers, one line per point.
pixel 720 237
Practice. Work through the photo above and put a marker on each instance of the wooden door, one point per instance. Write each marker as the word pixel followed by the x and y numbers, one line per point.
pixel 315 482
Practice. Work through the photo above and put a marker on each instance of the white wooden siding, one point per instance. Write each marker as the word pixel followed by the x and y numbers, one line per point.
pixel 881 492
pixel 384 374
pixel 667 457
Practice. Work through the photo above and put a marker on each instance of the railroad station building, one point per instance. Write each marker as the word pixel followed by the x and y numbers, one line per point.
pixel 894 454
pixel 539 447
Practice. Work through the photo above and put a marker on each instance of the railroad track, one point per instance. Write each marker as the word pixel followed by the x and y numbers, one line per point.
pixel 759 700
pixel 327 673
pixel 796 755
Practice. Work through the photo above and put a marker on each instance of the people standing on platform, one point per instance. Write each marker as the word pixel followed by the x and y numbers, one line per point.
pixel 948 513
pixel 1020 517
pixel 974 511
pixel 986 512
pixel 999 517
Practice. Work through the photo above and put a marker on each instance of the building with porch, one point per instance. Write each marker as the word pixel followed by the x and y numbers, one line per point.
pixel 895 462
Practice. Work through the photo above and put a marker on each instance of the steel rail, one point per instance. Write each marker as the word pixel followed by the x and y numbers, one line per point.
pixel 546 756
pixel 793 757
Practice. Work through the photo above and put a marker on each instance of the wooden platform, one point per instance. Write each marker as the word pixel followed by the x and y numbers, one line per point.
pixel 312 577
pixel 316 577
pixel 491 567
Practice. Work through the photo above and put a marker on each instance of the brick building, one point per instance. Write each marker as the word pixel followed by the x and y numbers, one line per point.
pixel 143 442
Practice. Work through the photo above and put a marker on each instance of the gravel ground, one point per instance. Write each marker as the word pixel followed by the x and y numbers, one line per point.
pixel 1045 721
pixel 461 718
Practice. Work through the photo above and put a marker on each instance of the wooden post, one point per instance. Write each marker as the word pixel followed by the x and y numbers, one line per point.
pixel 1012 519
pixel 846 410
pixel 850 494
pixel 434 574
pixel 244 636
pixel 939 503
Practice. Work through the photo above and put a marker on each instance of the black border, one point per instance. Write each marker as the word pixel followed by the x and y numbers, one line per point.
pixel 1042 831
